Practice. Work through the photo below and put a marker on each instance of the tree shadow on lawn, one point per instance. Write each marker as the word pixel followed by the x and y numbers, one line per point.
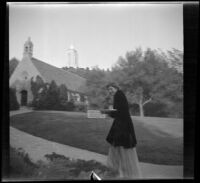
pixel 153 145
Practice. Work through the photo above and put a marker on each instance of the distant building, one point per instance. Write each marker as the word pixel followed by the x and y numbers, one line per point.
pixel 72 55
pixel 30 67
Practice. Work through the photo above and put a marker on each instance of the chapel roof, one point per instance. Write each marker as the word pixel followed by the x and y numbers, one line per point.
pixel 72 81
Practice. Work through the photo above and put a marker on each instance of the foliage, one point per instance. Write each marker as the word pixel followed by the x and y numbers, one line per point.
pixel 64 104
pixel 69 106
pixel 52 101
pixel 147 78
pixel 37 88
pixel 156 109
pixel 14 105
pixel 12 65
pixel 58 167
pixel 63 97
pixel 50 96
pixel 134 109
pixel 96 88
pixel 175 59
pixel 80 107
pixel 20 165
pixel 61 167
pixel 96 80
pixel 76 166
pixel 152 77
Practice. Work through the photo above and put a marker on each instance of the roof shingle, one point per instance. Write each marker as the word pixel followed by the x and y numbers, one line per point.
pixel 72 81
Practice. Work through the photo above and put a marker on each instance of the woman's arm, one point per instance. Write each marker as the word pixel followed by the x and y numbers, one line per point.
pixel 121 106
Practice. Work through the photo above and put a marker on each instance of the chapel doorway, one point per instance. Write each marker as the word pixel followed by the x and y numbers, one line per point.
pixel 24 97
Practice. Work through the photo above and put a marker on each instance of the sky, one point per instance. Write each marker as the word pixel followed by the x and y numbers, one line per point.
pixel 99 32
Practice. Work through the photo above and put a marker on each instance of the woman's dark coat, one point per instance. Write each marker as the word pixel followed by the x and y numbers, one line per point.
pixel 122 130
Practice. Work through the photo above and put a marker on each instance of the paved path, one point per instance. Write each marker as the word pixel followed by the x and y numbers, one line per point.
pixel 37 147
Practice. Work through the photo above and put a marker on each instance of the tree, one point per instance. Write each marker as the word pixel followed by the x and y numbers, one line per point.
pixel 96 92
pixel 150 80
pixel 137 97
pixel 63 93
pixel 130 74
pixel 37 88
pixel 175 58
pixel 14 105
pixel 147 78
pixel 169 91
pixel 12 65
pixel 52 96
pixel 63 96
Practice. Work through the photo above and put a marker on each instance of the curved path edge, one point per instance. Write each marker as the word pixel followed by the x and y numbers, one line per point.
pixel 37 148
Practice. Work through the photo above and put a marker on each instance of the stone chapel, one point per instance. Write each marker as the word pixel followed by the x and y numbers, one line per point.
pixel 30 67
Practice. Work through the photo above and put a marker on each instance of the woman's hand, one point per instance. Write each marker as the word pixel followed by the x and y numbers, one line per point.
pixel 107 111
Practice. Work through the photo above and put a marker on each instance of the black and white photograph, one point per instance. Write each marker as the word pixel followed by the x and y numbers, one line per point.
pixel 96 91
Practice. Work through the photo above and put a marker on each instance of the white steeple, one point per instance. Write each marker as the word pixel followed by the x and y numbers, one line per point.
pixel 72 56
pixel 28 48
pixel 71 47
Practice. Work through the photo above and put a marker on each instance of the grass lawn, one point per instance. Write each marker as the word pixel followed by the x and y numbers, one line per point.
pixel 172 126
pixel 81 132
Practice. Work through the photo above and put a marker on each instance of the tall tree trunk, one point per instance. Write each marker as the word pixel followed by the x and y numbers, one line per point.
pixel 142 106
pixel 141 110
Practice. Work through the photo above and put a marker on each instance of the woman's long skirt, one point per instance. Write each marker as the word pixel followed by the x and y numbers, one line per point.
pixel 125 161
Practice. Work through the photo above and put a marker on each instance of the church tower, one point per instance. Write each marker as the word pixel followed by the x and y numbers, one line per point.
pixel 72 57
pixel 28 48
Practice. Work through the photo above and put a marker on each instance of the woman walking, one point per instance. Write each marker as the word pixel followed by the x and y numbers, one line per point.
pixel 122 155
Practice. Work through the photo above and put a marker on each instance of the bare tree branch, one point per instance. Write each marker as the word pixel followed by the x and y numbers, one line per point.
pixel 147 101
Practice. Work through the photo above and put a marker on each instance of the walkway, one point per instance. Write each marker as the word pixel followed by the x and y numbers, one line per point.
pixel 37 147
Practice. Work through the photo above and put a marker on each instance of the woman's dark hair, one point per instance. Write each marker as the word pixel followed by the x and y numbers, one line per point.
pixel 112 84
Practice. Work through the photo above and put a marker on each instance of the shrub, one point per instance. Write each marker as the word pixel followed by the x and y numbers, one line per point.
pixel 21 165
pixel 50 96
pixel 176 110
pixel 134 109
pixel 58 167
pixel 52 101
pixel 81 107
pixel 94 106
pixel 14 105
pixel 64 168
pixel 63 94
pixel 156 109
pixel 69 106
